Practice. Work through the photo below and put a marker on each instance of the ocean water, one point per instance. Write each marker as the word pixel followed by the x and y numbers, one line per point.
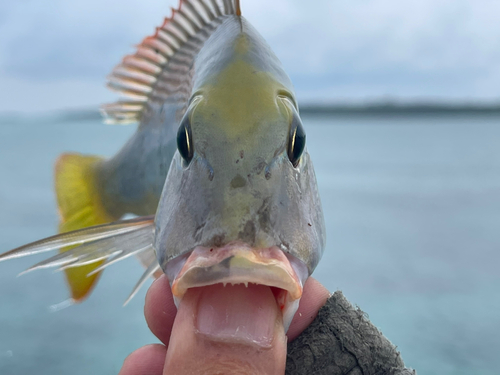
pixel 412 209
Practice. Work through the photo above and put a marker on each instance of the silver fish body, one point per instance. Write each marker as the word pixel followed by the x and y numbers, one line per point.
pixel 219 157
pixel 240 184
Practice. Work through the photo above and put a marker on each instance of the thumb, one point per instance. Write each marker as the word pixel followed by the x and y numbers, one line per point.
pixel 227 330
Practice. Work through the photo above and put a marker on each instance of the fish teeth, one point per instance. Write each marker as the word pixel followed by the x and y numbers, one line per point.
pixel 225 283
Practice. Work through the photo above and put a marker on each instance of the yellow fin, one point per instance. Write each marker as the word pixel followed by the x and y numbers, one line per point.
pixel 79 206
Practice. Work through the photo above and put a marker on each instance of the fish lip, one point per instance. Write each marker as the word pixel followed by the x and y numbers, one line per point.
pixel 239 263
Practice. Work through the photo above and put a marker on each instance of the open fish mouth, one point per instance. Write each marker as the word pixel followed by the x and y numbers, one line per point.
pixel 239 263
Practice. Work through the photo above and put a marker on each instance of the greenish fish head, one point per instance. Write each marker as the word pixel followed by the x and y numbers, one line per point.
pixel 241 203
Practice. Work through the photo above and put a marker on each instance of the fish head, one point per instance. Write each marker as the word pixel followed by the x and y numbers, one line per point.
pixel 240 203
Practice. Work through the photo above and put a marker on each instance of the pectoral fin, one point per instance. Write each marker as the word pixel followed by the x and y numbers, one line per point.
pixel 95 248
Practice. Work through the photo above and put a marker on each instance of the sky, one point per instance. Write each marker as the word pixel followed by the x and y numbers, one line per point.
pixel 56 54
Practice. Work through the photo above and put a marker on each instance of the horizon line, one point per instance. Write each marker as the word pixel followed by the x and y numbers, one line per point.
pixel 381 107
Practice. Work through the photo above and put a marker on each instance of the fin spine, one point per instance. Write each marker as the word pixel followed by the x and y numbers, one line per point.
pixel 238 8
pixel 150 271
pixel 183 33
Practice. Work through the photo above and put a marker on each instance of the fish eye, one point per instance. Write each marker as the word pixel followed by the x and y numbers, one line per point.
pixel 296 141
pixel 185 139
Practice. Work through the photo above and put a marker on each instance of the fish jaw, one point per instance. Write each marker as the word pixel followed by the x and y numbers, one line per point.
pixel 239 263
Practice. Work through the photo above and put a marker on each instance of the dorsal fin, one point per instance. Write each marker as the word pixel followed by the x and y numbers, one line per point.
pixel 160 70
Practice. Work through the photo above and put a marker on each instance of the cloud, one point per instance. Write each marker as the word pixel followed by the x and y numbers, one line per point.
pixel 356 49
pixel 59 39
pixel 436 48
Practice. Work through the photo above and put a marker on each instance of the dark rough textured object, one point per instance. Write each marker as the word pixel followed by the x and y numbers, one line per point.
pixel 342 341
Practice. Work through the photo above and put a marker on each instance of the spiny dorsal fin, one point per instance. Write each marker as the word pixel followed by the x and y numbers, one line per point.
pixel 160 70
pixel 238 8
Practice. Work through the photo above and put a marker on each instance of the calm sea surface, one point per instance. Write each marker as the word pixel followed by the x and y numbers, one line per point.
pixel 412 210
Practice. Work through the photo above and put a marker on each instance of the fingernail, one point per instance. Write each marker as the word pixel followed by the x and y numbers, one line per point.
pixel 237 314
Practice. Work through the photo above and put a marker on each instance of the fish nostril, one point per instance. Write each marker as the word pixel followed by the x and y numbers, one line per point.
pixel 238 182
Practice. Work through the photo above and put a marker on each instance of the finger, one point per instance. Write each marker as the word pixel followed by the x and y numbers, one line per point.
pixel 148 360
pixel 313 298
pixel 160 309
pixel 227 330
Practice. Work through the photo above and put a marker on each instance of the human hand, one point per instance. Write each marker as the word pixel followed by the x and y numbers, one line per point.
pixel 219 330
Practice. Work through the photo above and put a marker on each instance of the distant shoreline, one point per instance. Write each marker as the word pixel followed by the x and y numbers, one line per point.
pixel 414 109
pixel 374 109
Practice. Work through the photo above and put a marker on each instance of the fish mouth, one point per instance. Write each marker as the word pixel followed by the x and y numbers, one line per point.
pixel 239 263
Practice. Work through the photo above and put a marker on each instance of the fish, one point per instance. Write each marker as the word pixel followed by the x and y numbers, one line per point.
pixel 217 174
